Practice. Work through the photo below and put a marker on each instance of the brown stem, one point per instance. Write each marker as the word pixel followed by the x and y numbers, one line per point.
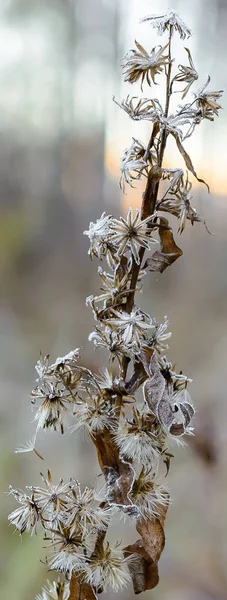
pixel 168 96
pixel 79 590
pixel 151 192
pixel 108 454
pixel 74 590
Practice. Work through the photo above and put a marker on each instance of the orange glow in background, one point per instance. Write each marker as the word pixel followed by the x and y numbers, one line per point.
pixel 216 177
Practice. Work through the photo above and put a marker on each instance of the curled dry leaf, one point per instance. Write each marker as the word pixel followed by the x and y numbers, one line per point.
pixel 153 537
pixel 137 378
pixel 161 259
pixel 160 399
pixel 118 474
pixel 187 159
pixel 144 568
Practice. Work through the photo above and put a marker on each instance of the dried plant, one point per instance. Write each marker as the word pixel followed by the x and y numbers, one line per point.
pixel 135 408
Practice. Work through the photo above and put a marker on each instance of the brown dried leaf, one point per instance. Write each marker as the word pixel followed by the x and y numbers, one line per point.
pixel 187 159
pixel 160 260
pixel 153 537
pixel 118 475
pixel 154 387
pixel 137 378
pixel 165 413
pixel 163 510
pixel 143 570
pixel 154 390
pixel 159 399
pixel 183 214
pixel 146 354
pixel 188 412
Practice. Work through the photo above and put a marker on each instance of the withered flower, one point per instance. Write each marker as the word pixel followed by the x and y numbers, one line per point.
pixel 93 414
pixel 114 289
pixel 85 509
pixel 53 498
pixel 179 205
pixel 131 325
pixel 27 516
pixel 133 164
pixel 207 102
pixel 160 336
pixel 148 495
pixel 52 411
pixel 68 555
pixel 132 233
pixel 97 234
pixel 141 109
pixel 186 74
pixel 141 438
pixel 140 63
pixel 170 19
pixel 179 381
pixel 56 590
pixel 68 361
pixel 108 568
pixel 112 341
pixel 42 367
pixel 63 367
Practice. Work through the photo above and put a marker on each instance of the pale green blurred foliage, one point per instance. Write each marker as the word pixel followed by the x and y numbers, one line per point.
pixel 58 71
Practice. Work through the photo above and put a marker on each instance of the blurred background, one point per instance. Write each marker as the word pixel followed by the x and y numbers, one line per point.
pixel 62 138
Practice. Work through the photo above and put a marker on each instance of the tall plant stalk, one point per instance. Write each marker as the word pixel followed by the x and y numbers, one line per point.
pixel 132 414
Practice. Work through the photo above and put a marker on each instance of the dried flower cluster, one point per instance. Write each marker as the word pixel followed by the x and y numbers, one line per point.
pixel 136 407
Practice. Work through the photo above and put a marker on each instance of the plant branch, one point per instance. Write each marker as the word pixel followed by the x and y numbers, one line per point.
pixel 151 192
pixel 80 590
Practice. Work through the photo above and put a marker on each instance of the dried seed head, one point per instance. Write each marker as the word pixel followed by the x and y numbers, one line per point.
pixel 207 102
pixel 85 509
pixel 140 439
pixel 27 516
pixel 56 590
pixel 145 65
pixel 112 341
pixel 133 326
pixel 133 164
pixel 70 555
pixel 97 234
pixel 94 414
pixel 148 495
pixel 179 204
pixel 108 568
pixel 52 411
pixel 132 233
pixel 51 500
pixel 170 19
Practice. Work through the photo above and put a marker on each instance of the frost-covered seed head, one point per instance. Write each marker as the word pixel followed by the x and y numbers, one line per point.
pixel 27 516
pixel 108 569
pixel 170 19
pixel 56 590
